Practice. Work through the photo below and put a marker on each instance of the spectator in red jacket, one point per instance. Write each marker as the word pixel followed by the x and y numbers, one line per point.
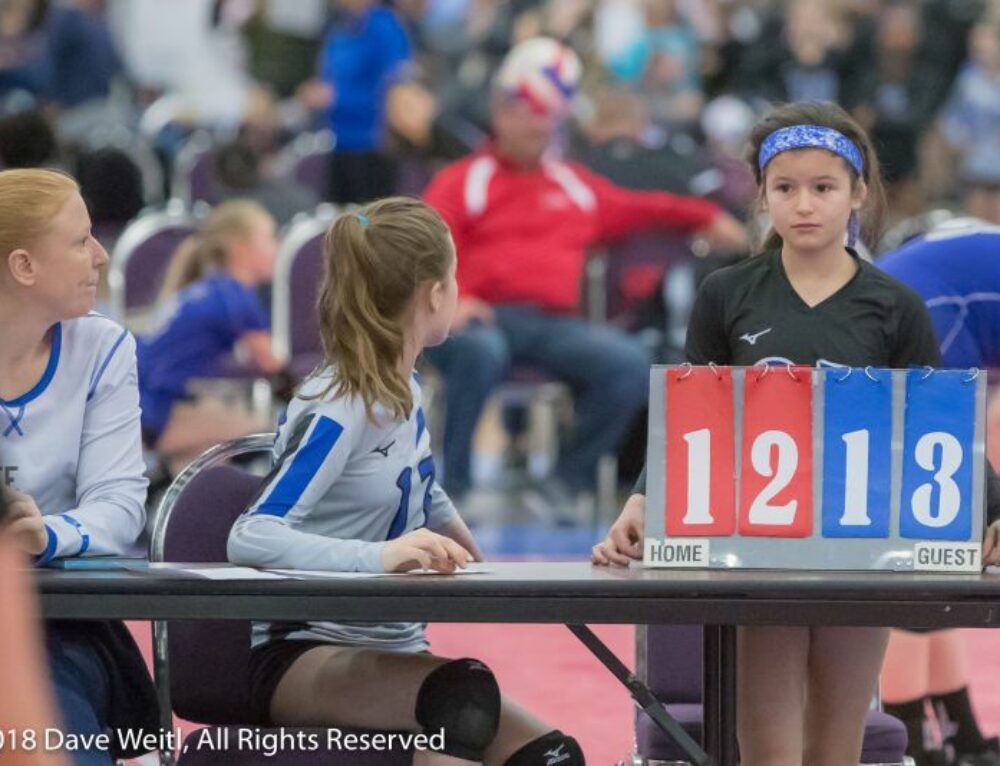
pixel 522 222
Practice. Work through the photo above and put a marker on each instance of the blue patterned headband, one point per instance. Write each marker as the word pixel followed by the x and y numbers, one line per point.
pixel 810 137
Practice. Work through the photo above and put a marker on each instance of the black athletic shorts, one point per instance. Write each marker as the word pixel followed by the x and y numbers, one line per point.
pixel 268 665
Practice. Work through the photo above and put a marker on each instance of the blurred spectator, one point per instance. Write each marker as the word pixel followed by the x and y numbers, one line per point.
pixel 189 50
pixel 283 41
pixel 671 80
pixel 27 141
pixel 83 58
pixel 209 310
pixel 981 189
pixel 364 54
pixel 661 59
pixel 240 175
pixel 898 100
pixel 970 118
pixel 624 147
pixel 522 223
pixel 111 185
pixel 24 65
pixel 807 57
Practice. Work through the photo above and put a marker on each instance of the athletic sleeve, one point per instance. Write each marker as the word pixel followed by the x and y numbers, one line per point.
pixel 440 510
pixel 622 211
pixel 706 338
pixel 312 460
pixel 111 486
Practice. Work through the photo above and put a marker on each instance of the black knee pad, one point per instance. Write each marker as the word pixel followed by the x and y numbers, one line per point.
pixel 462 698
pixel 553 749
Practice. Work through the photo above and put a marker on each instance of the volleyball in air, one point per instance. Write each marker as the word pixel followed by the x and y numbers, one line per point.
pixel 542 71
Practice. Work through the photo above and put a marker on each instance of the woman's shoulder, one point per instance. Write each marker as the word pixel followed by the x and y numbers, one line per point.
pixel 93 332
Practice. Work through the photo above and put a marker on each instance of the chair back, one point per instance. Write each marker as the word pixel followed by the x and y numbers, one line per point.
pixel 141 256
pixel 298 275
pixel 207 659
pixel 195 178
pixel 670 661
pixel 307 161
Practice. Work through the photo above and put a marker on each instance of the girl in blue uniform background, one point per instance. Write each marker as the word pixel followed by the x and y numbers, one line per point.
pixel 209 308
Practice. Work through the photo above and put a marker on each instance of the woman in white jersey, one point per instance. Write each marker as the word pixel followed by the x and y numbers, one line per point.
pixel 69 430
pixel 352 489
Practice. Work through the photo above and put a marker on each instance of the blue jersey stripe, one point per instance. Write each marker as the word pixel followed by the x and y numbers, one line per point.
pixel 303 468
pixel 104 365
pixel 421 424
pixel 84 537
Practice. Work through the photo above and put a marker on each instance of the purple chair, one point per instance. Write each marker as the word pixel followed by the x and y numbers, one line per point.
pixel 141 256
pixel 297 277
pixel 195 178
pixel 307 160
pixel 201 665
pixel 669 662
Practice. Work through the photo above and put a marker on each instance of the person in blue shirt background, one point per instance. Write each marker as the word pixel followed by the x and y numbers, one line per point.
pixel 364 53
pixel 210 306
pixel 954 267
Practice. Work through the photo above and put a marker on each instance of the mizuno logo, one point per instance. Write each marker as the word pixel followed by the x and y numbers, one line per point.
pixel 556 756
pixel 384 451
pixel 752 339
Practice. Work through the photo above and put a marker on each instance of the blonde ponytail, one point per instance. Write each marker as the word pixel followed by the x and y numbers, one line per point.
pixel 204 252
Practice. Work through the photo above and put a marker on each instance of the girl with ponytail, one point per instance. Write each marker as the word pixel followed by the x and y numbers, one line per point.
pixel 353 489
pixel 208 308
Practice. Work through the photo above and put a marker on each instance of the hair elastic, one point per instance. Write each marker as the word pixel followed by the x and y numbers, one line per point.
pixel 363 220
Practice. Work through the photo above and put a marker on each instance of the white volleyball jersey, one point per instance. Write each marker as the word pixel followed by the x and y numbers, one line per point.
pixel 340 487
pixel 73 441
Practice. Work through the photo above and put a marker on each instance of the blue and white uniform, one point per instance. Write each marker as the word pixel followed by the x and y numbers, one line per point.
pixel 194 330
pixel 956 270
pixel 73 443
pixel 340 487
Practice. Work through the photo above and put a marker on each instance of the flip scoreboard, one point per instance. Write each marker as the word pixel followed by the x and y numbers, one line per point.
pixel 815 468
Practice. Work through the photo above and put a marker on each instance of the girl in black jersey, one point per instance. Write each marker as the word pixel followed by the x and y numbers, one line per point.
pixel 805 299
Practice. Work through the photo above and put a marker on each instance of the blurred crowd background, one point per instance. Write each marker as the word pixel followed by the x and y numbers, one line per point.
pixel 670 88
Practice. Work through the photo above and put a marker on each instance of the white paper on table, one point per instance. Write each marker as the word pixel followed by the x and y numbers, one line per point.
pixel 330 575
pixel 223 573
